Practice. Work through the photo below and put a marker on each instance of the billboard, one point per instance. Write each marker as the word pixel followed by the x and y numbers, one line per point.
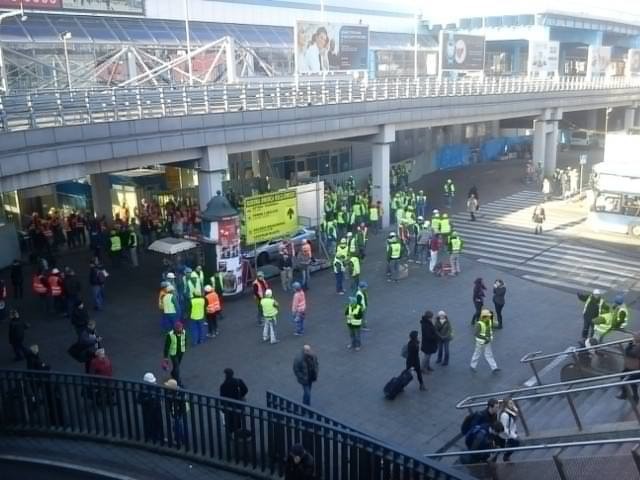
pixel 31 4
pixel 324 47
pixel 598 61
pixel 111 6
pixel 461 52
pixel 544 59
pixel 270 216
pixel 633 62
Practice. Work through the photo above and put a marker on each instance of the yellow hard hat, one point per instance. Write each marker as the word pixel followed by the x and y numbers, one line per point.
pixel 485 312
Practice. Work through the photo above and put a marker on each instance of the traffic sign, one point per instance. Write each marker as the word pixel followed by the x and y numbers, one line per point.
pixel 583 159
pixel 270 216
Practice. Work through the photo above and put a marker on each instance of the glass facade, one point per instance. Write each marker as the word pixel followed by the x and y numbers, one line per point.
pixel 312 164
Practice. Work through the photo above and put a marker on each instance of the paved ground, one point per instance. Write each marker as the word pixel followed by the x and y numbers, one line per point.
pixel 99 461
pixel 537 317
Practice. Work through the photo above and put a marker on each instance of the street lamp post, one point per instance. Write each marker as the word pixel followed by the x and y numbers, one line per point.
pixel 186 27
pixel 64 36
pixel 3 73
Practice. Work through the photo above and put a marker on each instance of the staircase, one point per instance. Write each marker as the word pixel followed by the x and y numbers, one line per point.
pixel 575 429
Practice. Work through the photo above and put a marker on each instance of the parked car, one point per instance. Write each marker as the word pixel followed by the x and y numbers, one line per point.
pixel 269 251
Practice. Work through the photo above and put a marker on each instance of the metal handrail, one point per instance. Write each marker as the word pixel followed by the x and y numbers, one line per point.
pixel 543 446
pixel 533 356
pixel 562 392
pixel 566 386
pixel 95 104
pixel 226 433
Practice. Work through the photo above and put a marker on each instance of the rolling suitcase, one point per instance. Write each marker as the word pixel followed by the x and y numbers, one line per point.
pixel 397 384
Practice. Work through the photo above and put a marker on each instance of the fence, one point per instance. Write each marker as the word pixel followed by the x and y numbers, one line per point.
pixel 48 108
pixel 225 433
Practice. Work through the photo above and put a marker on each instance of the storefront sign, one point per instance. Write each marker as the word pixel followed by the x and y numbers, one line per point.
pixel 323 47
pixel 31 4
pixel 543 59
pixel 111 6
pixel 270 216
pixel 461 52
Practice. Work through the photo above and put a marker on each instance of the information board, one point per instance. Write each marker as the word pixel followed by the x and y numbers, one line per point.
pixel 270 216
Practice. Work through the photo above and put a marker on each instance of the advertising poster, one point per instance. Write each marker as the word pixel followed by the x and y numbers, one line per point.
pixel 633 62
pixel 115 6
pixel 461 52
pixel 324 47
pixel 544 58
pixel 31 4
pixel 598 61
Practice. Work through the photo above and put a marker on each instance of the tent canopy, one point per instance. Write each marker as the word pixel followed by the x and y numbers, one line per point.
pixel 171 246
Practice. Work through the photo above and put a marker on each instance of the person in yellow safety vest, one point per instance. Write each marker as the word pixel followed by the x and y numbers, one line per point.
pixel 455 247
pixel 343 248
pixel 196 315
pixel 353 312
pixel 400 214
pixel 361 239
pixel 449 191
pixel 484 336
pixel 169 306
pixel 394 253
pixel 115 247
pixel 269 308
pixel 374 215
pixel 421 204
pixel 133 245
pixel 354 261
pixel 200 275
pixel 593 304
pixel 610 318
pixel 357 213
pixel 341 221
pixel 395 204
pixel 175 346
pixel 445 228
pixel 212 309
pixel 331 235
pixel 362 299
pixel 352 244
pixel 193 285
pixel 435 221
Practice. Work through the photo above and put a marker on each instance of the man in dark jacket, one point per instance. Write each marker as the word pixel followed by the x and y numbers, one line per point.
pixel 306 369
pixel 592 308
pixel 34 362
pixel 499 292
pixel 413 356
pixel 79 318
pixel 71 287
pixel 88 343
pixel 236 389
pixel 299 464
pixel 17 327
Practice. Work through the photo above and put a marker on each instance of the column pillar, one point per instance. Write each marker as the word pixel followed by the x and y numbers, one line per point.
pixel 132 65
pixel 101 195
pixel 380 177
pixel 255 163
pixel 539 142
pixel 551 148
pixel 213 171
pixel 629 118
pixel 230 57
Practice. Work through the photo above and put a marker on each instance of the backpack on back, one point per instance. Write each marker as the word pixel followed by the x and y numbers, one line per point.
pixel 468 423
